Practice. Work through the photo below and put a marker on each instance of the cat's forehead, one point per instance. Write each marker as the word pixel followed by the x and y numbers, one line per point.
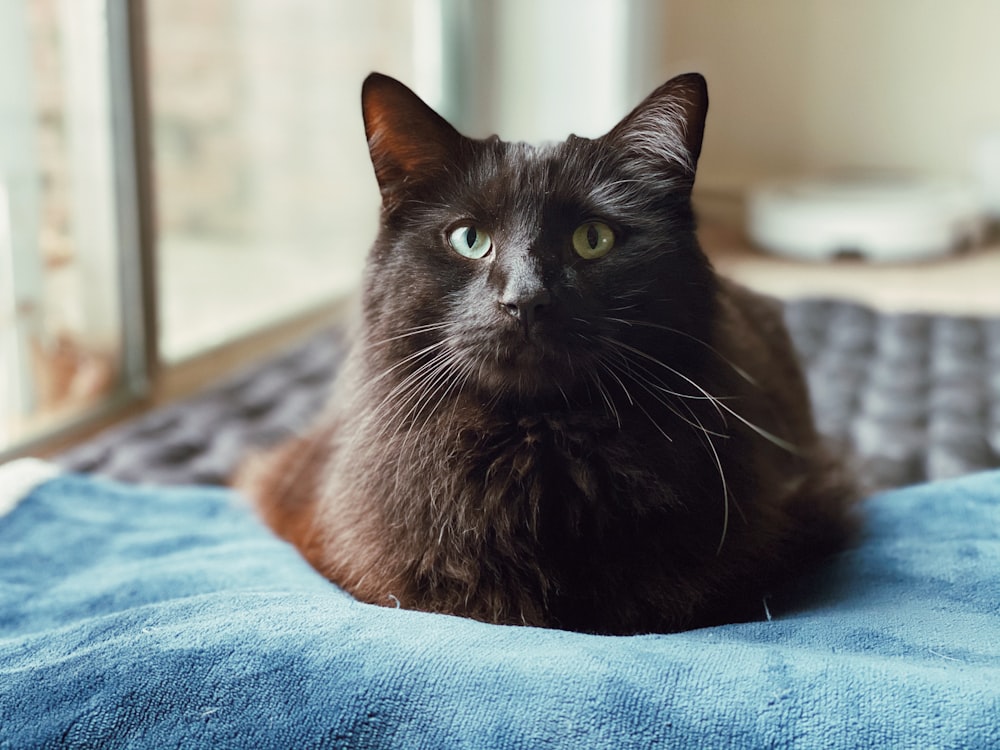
pixel 523 157
pixel 579 176
pixel 543 171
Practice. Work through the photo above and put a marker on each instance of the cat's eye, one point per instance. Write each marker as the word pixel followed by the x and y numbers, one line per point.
pixel 472 242
pixel 593 240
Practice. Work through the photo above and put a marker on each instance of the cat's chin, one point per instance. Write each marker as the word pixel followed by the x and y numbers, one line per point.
pixel 528 373
pixel 519 386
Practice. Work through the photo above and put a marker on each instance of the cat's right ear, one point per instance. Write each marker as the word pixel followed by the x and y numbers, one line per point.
pixel 665 130
pixel 408 141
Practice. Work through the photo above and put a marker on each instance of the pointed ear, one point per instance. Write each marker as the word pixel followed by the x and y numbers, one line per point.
pixel 407 140
pixel 666 128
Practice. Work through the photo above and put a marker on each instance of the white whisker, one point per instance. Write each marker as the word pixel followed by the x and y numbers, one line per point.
pixel 647 324
pixel 716 401
pixel 414 331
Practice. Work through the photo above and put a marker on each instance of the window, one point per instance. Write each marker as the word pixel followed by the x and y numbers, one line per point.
pixel 260 185
pixel 67 244
pixel 264 196
pixel 177 175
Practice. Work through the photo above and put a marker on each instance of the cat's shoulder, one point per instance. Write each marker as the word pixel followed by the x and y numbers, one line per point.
pixel 747 311
pixel 751 335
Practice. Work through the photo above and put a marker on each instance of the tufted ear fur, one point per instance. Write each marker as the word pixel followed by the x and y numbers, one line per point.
pixel 407 140
pixel 666 128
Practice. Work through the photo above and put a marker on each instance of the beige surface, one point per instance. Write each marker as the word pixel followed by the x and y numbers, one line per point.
pixel 966 284
pixel 805 88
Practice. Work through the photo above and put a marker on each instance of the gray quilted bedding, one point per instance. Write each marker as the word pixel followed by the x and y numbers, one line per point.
pixel 915 396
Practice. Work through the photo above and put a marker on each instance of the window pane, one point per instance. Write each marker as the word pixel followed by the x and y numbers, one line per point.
pixel 265 200
pixel 60 271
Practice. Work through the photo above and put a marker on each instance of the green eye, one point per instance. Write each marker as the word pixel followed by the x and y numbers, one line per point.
pixel 593 240
pixel 471 242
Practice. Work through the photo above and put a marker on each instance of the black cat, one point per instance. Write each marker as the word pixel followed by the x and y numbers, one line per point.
pixel 554 412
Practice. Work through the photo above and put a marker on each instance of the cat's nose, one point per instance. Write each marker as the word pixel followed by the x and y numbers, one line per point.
pixel 526 307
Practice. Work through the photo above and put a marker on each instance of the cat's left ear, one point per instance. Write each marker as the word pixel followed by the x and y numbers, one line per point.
pixel 667 127
pixel 408 141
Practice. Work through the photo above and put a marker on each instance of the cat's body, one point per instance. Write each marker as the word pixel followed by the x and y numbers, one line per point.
pixel 554 413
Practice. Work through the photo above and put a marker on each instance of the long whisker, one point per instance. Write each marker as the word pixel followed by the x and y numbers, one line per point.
pixel 612 373
pixel 648 324
pixel 695 423
pixel 414 331
pixel 722 477
pixel 652 389
pixel 409 358
pixel 654 422
pixel 411 379
pixel 719 404
pixel 605 396
pixel 404 393
pixel 440 384
pixel 429 387
pixel 705 396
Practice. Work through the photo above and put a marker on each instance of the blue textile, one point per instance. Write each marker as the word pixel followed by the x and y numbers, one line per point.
pixel 153 617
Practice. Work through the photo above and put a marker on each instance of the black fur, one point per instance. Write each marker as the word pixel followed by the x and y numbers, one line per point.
pixel 622 444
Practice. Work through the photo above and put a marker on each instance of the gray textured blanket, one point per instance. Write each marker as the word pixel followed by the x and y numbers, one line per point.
pixel 917 397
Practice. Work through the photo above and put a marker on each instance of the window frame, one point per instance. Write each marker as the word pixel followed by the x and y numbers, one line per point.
pixel 133 229
pixel 144 380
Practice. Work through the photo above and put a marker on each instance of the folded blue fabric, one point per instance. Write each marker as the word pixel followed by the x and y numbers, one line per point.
pixel 152 617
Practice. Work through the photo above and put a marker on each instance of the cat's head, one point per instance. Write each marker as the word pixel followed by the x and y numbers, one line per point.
pixel 528 270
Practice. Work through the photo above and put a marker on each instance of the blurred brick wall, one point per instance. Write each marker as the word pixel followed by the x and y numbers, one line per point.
pixel 257 128
pixel 194 62
pixel 257 124
pixel 49 89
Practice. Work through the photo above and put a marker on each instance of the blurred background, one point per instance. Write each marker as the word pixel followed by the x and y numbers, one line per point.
pixel 185 182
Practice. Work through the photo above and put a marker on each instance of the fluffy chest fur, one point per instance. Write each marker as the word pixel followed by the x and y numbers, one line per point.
pixel 539 519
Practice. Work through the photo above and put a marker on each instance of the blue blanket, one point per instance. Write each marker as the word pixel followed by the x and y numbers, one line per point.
pixel 152 617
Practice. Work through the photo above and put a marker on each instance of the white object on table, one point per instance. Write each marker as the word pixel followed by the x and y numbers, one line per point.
pixel 880 220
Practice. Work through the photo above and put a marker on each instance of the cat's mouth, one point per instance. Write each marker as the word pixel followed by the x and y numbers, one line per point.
pixel 529 357
pixel 549 354
pixel 527 364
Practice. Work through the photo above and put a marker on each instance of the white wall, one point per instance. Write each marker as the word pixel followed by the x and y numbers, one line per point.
pixel 538 70
pixel 806 86
pixel 563 72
